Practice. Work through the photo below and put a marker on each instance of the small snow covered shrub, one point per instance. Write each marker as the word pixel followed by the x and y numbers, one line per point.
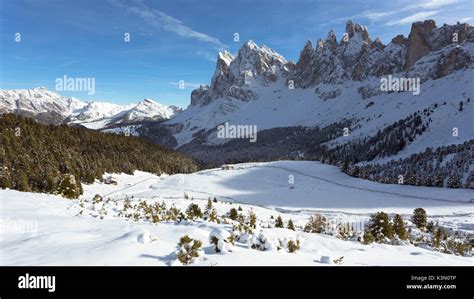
pixel 174 213
pixel 222 240
pixel 279 222
pixel 233 214
pixel 457 246
pixel 69 187
pixel 419 218
pixel 339 260
pixel 97 199
pixel 146 238
pixel 289 244
pixel 208 209
pixel 193 211
pixel 212 216
pixel 242 227
pixel 438 236
pixel 368 238
pixel 127 204
pixel 188 250
pixel 430 227
pixel 380 227
pixel 293 246
pixel 102 212
pixel 263 243
pixel 252 219
pixel 316 224
pixel 291 225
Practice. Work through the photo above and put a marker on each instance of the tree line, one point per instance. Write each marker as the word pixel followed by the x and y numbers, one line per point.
pixel 56 159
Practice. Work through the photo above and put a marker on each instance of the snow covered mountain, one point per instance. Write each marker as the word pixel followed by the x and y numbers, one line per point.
pixel 50 107
pixel 39 102
pixel 336 91
pixel 259 86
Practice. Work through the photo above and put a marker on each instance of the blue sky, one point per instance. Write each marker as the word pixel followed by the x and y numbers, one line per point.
pixel 173 40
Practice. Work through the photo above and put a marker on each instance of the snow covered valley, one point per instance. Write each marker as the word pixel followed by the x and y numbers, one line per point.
pixel 140 219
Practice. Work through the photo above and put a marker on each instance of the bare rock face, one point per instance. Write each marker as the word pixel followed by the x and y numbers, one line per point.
pixel 425 37
pixel 241 93
pixel 418 41
pixel 331 41
pixel 328 94
pixel 451 35
pixel 454 60
pixel 304 62
pixel 223 77
pixel 400 40
pixel 200 96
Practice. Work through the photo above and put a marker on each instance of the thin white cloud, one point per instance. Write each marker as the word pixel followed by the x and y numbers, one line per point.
pixel 465 20
pixel 380 15
pixel 375 16
pixel 413 18
pixel 368 14
pixel 431 4
pixel 163 21
pixel 210 57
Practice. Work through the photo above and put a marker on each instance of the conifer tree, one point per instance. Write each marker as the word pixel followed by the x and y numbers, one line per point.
pixel 291 225
pixel 233 214
pixel 279 222
pixel 316 224
pixel 399 227
pixel 188 250
pixel 213 216
pixel 380 227
pixel 419 218
pixel 193 211
pixel 252 219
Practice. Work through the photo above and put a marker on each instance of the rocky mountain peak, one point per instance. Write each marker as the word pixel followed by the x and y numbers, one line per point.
pixel 331 41
pixel 148 103
pixel 377 44
pixel 305 56
pixel 225 57
pixel 418 41
pixel 329 61
pixel 256 59
pixel 400 40
pixel 354 28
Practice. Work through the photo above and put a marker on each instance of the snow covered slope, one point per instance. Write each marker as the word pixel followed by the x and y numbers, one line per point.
pixel 40 229
pixel 40 102
pixel 316 187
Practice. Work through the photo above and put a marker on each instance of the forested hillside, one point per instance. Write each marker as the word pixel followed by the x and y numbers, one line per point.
pixel 54 159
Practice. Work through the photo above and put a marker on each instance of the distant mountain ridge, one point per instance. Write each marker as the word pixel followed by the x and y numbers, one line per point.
pixel 50 107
